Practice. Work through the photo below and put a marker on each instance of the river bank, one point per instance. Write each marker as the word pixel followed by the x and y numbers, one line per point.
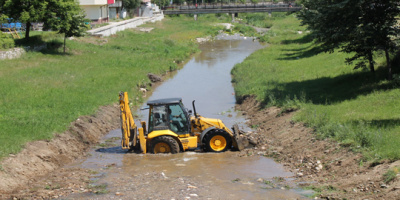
pixel 350 148
pixel 332 170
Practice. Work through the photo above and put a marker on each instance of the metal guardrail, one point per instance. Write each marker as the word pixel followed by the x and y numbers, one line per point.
pixel 229 8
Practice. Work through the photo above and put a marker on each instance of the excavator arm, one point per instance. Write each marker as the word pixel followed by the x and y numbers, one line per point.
pixel 128 126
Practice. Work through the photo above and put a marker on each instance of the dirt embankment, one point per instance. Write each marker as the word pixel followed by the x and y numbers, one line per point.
pixel 41 157
pixel 37 171
pixel 330 168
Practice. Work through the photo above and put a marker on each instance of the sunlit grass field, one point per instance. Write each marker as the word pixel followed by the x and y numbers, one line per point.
pixel 43 92
pixel 354 107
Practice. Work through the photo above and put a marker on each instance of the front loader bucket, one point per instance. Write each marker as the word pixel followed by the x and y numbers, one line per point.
pixel 142 141
pixel 238 142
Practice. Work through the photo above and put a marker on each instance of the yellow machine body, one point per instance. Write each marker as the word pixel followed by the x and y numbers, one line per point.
pixel 209 134
pixel 187 141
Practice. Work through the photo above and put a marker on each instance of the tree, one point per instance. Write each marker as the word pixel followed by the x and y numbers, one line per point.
pixel 65 16
pixel 26 11
pixel 3 17
pixel 254 1
pixel 130 4
pixel 161 3
pixel 360 26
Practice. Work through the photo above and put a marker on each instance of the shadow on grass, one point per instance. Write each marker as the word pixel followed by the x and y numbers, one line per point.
pixel 304 52
pixel 380 123
pixel 328 90
pixel 53 47
pixel 303 40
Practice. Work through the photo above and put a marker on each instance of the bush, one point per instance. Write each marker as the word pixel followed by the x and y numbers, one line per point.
pixel 261 20
pixel 245 30
pixel 6 42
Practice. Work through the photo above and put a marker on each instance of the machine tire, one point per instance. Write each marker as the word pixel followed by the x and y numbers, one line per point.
pixel 217 140
pixel 164 144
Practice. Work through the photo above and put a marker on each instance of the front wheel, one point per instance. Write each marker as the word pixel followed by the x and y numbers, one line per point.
pixel 164 144
pixel 217 141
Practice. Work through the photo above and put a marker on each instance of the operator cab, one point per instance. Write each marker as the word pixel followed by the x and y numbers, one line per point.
pixel 168 114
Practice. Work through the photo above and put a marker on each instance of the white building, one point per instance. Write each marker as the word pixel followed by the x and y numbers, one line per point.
pixel 96 10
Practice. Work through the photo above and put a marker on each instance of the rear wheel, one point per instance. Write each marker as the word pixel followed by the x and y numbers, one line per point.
pixel 164 144
pixel 217 140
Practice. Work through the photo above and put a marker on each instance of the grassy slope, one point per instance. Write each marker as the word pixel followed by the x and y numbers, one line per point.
pixel 42 92
pixel 353 106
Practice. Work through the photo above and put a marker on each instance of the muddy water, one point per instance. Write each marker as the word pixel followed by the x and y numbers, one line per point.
pixel 207 79
pixel 192 175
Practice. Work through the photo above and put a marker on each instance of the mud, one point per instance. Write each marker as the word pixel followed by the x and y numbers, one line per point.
pixel 193 175
pixel 322 164
pixel 41 157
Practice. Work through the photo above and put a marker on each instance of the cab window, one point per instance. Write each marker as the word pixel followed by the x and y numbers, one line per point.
pixel 178 121
pixel 158 118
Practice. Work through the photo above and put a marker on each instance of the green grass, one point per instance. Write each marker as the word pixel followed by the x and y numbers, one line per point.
pixel 269 183
pixel 52 187
pixel 99 189
pixel 391 174
pixel 318 190
pixel 355 107
pixel 262 20
pixel 42 92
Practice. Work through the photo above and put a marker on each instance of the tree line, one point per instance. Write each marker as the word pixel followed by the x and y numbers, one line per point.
pixel 361 27
pixel 64 16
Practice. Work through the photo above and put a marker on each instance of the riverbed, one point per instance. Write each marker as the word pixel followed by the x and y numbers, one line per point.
pixel 206 79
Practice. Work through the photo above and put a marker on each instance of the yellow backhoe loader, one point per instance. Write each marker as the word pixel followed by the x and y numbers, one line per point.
pixel 172 129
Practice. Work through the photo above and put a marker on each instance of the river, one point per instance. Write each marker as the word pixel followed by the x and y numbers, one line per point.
pixel 205 78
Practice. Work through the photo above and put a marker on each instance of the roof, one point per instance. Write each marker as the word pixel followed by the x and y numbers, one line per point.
pixel 164 101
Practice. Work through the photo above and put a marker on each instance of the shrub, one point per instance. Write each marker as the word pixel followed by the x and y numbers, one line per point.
pixel 245 30
pixel 6 42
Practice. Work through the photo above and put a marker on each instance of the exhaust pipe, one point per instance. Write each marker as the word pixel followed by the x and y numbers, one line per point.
pixel 194 109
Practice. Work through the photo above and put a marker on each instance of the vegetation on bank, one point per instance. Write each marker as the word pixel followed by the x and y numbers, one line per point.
pixel 355 107
pixel 43 92
pixel 6 41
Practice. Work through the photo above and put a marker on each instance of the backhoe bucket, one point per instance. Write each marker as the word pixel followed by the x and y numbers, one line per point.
pixel 238 142
pixel 128 126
